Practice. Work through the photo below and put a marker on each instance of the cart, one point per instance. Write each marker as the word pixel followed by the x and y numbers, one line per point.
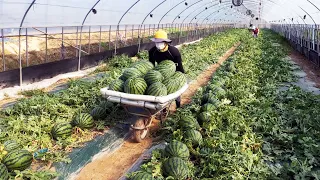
pixel 144 108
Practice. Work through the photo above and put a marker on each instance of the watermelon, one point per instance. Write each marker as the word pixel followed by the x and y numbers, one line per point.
pixel 4 174
pixel 153 76
pixel 117 85
pixel 188 122
pixel 208 107
pixel 172 85
pixel 98 113
pixel 11 145
pixel 194 136
pixel 176 168
pixel 61 130
pixel 135 86
pixel 107 106
pixel 83 121
pixel 143 66
pixel 209 98
pixel 131 72
pixel 167 68
pixel 142 176
pixel 157 89
pixel 177 149
pixel 180 78
pixel 18 160
pixel 204 116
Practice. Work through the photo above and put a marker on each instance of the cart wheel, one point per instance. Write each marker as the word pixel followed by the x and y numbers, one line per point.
pixel 140 135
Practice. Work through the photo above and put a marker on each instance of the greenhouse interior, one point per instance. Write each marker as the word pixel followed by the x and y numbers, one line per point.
pixel 159 90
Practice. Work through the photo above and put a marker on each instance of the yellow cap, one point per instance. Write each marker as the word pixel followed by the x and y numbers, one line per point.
pixel 160 36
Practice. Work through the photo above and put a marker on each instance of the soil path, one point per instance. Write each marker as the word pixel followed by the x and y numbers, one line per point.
pixel 313 73
pixel 113 166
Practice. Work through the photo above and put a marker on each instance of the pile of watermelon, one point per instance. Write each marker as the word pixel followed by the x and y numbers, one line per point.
pixel 145 79
pixel 62 130
pixel 13 157
pixel 175 163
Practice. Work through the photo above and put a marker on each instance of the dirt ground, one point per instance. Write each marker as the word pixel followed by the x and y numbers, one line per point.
pixel 313 73
pixel 113 166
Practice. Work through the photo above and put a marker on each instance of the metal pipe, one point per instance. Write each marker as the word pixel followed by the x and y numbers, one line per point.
pixel 3 52
pixel 169 11
pixel 115 48
pixel 27 60
pixel 24 16
pixel 185 10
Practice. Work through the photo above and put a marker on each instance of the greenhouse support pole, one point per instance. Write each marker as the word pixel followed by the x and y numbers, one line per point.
pixel 24 16
pixel 84 20
pixel 3 56
pixel 149 25
pixel 27 60
pixel 115 47
pixel 100 39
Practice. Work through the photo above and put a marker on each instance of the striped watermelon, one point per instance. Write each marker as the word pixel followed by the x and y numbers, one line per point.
pixel 107 106
pixel 83 121
pixel 61 130
pixel 143 66
pixel 204 116
pixel 177 149
pixel 131 72
pixel 18 160
pixel 157 89
pixel 209 98
pixel 180 78
pixel 167 68
pixel 153 76
pixel 98 113
pixel 172 85
pixel 176 168
pixel 4 174
pixel 142 176
pixel 135 86
pixel 117 85
pixel 188 122
pixel 11 145
pixel 208 107
pixel 194 136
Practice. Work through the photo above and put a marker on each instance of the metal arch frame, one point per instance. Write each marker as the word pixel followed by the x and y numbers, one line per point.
pixel 212 21
pixel 80 45
pixel 314 5
pixel 115 45
pixel 308 15
pixel 270 1
pixel 200 11
pixel 209 15
pixel 21 23
pixel 139 39
pixel 185 10
pixel 194 11
pixel 169 11
pixel 222 16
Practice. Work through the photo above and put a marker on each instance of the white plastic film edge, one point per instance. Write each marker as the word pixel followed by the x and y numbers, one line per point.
pixel 158 99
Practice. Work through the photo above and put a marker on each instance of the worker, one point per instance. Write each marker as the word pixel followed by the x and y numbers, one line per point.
pixel 164 51
pixel 255 31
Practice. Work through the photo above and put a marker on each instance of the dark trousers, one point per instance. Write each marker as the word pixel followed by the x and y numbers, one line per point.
pixel 178 101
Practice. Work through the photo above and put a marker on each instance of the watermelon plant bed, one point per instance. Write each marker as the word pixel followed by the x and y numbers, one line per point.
pixel 130 152
pixel 30 121
pixel 252 130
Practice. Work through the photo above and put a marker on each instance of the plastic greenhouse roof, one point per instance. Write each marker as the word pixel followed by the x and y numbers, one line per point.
pixel 47 13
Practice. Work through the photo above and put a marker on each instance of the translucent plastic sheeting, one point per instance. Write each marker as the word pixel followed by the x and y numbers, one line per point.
pixel 46 13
